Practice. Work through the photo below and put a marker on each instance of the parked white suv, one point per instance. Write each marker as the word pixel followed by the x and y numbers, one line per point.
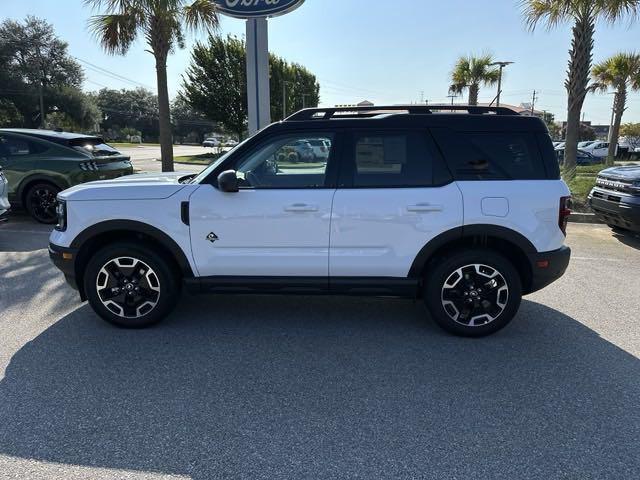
pixel 465 211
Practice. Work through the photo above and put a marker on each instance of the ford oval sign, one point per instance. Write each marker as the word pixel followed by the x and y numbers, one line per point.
pixel 256 8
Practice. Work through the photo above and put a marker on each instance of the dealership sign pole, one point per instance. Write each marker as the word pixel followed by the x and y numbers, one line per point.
pixel 256 13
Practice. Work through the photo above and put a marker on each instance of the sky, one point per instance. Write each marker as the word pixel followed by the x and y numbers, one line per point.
pixel 385 51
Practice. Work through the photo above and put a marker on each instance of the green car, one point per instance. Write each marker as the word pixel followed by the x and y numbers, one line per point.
pixel 40 163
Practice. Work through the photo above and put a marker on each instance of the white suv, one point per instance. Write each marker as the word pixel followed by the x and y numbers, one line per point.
pixel 465 210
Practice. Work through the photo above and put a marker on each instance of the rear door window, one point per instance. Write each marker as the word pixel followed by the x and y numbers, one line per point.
pixel 491 155
pixel 19 147
pixel 391 159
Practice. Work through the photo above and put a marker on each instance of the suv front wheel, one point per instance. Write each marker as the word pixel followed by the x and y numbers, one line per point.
pixel 129 286
pixel 473 292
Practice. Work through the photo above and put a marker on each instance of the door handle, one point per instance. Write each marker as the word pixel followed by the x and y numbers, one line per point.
pixel 301 207
pixel 424 207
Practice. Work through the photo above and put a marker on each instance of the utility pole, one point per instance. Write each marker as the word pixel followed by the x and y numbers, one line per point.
pixel 613 111
pixel 501 65
pixel 533 102
pixel 284 98
pixel 42 119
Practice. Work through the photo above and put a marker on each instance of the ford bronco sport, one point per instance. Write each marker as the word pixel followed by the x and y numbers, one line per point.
pixel 462 207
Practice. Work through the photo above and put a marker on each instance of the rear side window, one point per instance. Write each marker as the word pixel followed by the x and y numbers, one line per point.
pixel 391 160
pixel 491 155
pixel 19 147
pixel 93 146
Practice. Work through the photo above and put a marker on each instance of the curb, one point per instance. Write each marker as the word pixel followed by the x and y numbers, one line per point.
pixel 576 217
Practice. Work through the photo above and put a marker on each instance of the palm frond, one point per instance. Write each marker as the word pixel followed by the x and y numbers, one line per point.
pixel 614 10
pixel 115 32
pixel 551 12
pixel 201 15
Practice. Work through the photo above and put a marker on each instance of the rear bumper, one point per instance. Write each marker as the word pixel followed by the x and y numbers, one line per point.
pixel 547 267
pixel 65 259
pixel 616 209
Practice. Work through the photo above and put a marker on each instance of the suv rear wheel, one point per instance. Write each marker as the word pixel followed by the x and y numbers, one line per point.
pixel 129 286
pixel 40 202
pixel 473 292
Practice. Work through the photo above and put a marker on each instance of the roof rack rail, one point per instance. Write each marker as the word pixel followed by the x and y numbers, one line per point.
pixel 369 111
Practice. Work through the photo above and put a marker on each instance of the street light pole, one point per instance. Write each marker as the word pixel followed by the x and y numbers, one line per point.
pixel 501 65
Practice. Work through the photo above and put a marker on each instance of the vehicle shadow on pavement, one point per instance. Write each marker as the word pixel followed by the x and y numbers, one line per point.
pixel 312 387
pixel 630 239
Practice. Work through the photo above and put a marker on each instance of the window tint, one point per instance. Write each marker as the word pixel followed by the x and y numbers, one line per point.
pixel 286 162
pixel 17 147
pixel 491 155
pixel 93 146
pixel 392 160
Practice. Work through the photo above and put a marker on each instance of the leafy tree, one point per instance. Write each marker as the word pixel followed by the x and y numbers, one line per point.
pixel 33 59
pixel 470 73
pixel 137 109
pixel 189 125
pixel 620 72
pixel 162 24
pixel 552 126
pixel 80 113
pixel 216 83
pixel 585 133
pixel 631 131
pixel 301 90
pixel 583 14
pixel 9 114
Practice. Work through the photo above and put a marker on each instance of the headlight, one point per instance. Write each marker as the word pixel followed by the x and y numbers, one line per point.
pixel 61 212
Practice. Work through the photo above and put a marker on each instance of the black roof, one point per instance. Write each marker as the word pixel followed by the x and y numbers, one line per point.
pixel 456 117
pixel 62 138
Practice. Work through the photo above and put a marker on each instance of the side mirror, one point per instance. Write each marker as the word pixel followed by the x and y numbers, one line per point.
pixel 228 181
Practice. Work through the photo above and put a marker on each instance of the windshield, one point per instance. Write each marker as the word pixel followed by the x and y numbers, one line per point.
pixel 204 173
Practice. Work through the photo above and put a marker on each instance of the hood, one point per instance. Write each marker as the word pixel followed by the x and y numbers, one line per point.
pixel 143 186
pixel 627 172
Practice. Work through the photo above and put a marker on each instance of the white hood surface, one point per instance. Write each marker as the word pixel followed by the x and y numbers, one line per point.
pixel 142 186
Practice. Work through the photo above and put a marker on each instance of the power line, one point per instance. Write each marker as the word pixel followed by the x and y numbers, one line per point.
pixel 111 74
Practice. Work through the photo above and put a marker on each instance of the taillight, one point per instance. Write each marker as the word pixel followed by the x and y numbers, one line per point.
pixel 564 212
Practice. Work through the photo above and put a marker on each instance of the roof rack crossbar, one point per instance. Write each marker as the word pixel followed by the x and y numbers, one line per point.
pixel 368 111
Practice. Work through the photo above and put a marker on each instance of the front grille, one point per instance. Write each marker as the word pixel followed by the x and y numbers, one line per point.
pixel 606 196
pixel 615 185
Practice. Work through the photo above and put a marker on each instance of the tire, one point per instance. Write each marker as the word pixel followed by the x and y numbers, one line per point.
pixel 158 286
pixel 480 308
pixel 40 202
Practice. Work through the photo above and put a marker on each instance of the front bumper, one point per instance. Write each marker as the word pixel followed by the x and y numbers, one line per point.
pixel 65 259
pixel 547 267
pixel 618 209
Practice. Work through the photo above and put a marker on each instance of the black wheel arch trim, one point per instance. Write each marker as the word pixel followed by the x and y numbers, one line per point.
pixel 37 178
pixel 467 231
pixel 134 227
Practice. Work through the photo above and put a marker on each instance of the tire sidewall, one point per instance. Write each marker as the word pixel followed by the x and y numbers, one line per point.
pixel 438 275
pixel 28 200
pixel 169 286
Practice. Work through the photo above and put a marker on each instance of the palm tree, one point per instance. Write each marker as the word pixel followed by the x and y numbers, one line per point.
pixel 471 72
pixel 583 14
pixel 162 24
pixel 620 72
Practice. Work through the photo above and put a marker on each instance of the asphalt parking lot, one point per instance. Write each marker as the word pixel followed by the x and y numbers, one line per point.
pixel 310 387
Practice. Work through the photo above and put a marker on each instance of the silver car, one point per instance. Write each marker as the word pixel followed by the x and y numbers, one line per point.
pixel 4 201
